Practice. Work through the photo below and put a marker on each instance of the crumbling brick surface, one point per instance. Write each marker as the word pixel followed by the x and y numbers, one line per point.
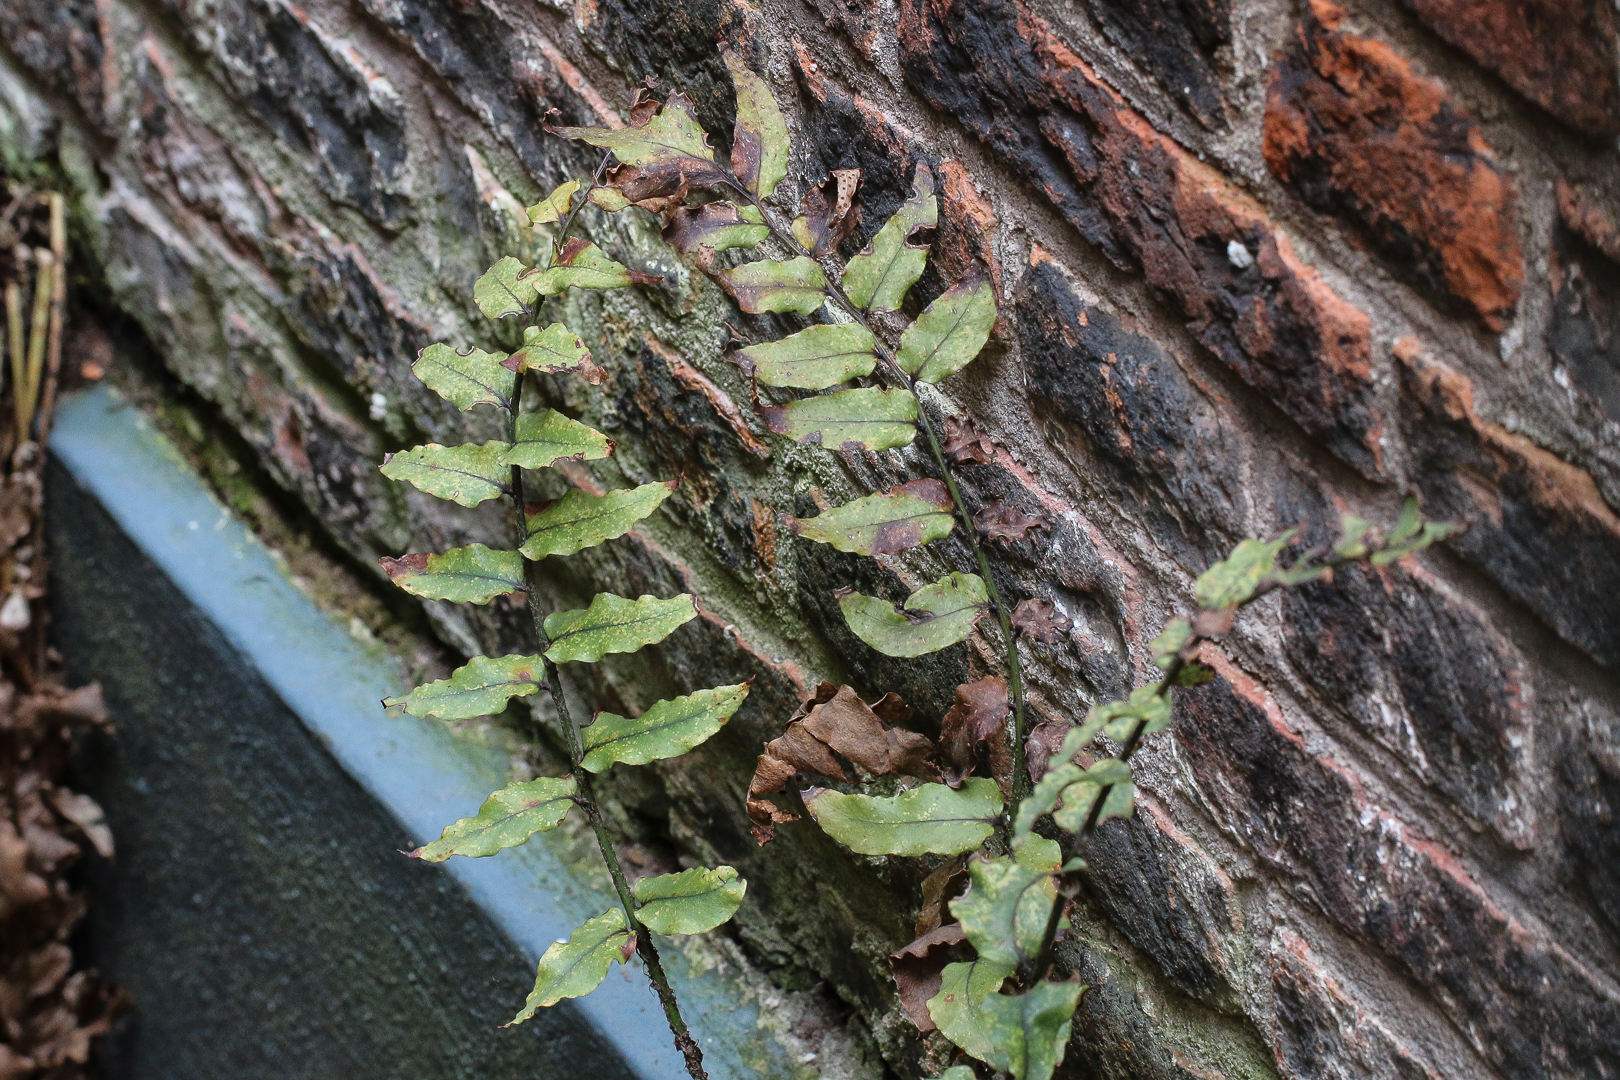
pixel 1257 265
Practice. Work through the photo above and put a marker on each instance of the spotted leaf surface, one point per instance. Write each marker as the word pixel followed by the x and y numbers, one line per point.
pixel 1235 579
pixel 466 474
pixel 481 687
pixel 554 206
pixel 555 350
pixel 1005 911
pixel 797 285
pixel 932 818
pixel 1119 718
pixel 507 288
pixel 578 521
pixel 473 574
pixel 508 818
pixel 933 618
pixel 667 729
pixel 759 150
pixel 958 1008
pixel 906 516
pixel 691 902
pixel 812 359
pixel 950 332
pixel 717 226
pixel 878 278
pixel 575 967
pixel 465 379
pixel 583 265
pixel 865 418
pixel 1028 1033
pixel 613 624
pixel 546 437
pixel 669 144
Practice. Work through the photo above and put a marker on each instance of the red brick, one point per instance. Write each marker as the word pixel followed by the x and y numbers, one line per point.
pixel 1356 134
pixel 1558 53
pixel 1152 207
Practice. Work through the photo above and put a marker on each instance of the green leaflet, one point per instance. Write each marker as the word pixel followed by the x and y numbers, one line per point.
pixel 473 574
pixel 668 729
pixel 865 418
pixel 759 150
pixel 1411 533
pixel 613 624
pixel 555 350
pixel 958 1007
pixel 1004 914
pixel 935 616
pixel 466 474
pixel 507 288
pixel 554 206
pixel 1122 716
pixel 812 359
pixel 576 967
pixel 608 199
pixel 547 437
pixel 1077 789
pixel 906 516
pixel 1171 640
pixel 691 902
pixel 958 1072
pixel 673 140
pixel 878 278
pixel 578 521
pixel 950 331
pixel 718 226
pixel 474 377
pixel 583 265
pixel 1352 542
pixel 481 687
pixel 927 819
pixel 796 285
pixel 1235 579
pixel 508 818
pixel 1028 1034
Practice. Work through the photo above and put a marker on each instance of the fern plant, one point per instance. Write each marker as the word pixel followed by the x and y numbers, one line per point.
pixel 692 901
pixel 1004 1007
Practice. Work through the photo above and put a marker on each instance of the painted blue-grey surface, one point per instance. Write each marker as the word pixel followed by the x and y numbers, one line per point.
pixel 421 771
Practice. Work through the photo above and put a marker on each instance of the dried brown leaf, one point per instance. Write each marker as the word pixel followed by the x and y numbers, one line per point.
pixel 83 811
pixel 1003 521
pixel 1040 619
pixel 917 969
pixel 938 887
pixel 831 213
pixel 1043 742
pixel 963 442
pixel 849 726
pixel 979 712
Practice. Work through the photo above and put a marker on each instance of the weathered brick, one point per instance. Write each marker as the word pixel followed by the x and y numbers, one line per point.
pixel 1561 54
pixel 1357 134
pixel 1587 780
pixel 1428 677
pixel 1537 525
pixel 1144 421
pixel 1584 270
pixel 1527 1005
pixel 1322 1032
pixel 1201 244
pixel 1175 40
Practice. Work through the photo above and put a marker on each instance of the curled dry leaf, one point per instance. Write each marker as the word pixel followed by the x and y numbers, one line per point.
pixel 978 716
pixel 831 213
pixel 1040 619
pixel 836 723
pixel 945 883
pixel 1003 521
pixel 917 971
pixel 963 442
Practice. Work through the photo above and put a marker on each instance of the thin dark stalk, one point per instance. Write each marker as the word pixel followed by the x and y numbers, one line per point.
pixel 586 796
pixel 1015 678
pixel 584 786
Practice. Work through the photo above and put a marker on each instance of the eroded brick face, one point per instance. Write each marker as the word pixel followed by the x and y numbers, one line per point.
pixel 1257 265
pixel 1358 135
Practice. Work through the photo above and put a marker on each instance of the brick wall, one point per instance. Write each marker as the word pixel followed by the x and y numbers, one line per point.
pixel 1257 263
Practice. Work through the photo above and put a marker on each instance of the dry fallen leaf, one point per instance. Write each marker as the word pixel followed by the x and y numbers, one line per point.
pixel 979 712
pixel 1003 521
pixel 1040 619
pixel 964 443
pixel 917 969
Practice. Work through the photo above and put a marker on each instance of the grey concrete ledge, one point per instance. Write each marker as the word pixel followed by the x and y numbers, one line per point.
pixel 420 773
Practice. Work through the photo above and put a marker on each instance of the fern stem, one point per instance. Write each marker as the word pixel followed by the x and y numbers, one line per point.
pixel 584 786
pixel 1015 679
